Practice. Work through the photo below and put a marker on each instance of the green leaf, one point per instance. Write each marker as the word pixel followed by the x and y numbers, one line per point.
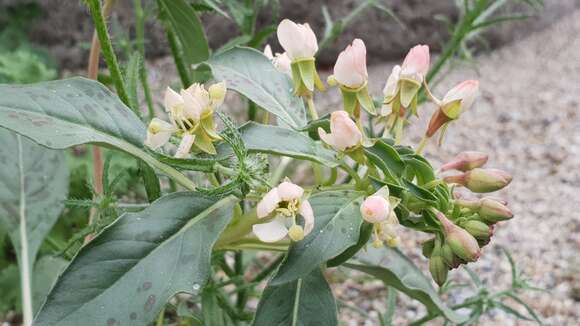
pixel 423 171
pixel 303 302
pixel 64 113
pixel 260 138
pixel 386 158
pixel 188 29
pixel 336 228
pixel 366 231
pixel 148 256
pixel 46 270
pixel 396 270
pixel 250 73
pixel 34 183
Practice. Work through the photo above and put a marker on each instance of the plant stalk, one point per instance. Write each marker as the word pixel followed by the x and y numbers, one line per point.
pixel 25 282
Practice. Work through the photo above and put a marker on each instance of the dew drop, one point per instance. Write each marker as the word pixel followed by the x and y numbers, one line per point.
pixel 195 287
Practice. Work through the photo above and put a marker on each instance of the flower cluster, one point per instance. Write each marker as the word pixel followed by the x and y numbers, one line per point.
pixel 191 114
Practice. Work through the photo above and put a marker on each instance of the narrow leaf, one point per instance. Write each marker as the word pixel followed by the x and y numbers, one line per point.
pixel 396 270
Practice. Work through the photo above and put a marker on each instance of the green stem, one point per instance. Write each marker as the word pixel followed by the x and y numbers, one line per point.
pixel 351 172
pixel 107 48
pixel 279 172
pixel 268 270
pixel 140 38
pixel 177 56
pixel 422 145
pixel 311 107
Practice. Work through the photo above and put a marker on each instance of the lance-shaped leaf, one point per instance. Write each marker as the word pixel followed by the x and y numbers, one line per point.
pixel 34 184
pixel 129 271
pixel 305 301
pixel 259 138
pixel 396 270
pixel 59 114
pixel 250 73
pixel 337 223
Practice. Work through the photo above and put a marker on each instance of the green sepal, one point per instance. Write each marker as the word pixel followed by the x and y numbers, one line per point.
pixel 208 126
pixel 318 82
pixel 357 154
pixel 413 106
pixel 409 89
pixel 365 100
pixel 349 100
pixel 203 142
pixel 452 110
pixel 307 70
pixel 299 87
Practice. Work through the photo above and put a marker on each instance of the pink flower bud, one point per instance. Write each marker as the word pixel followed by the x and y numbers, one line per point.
pixel 416 64
pixel 481 180
pixel 350 69
pixel 344 133
pixel 493 211
pixel 461 242
pixel 466 161
pixel 459 98
pixel 298 40
pixel 375 209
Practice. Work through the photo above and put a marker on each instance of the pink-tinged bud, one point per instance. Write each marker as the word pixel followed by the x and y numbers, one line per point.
pixel 344 134
pixel 375 209
pixel 493 211
pixel 350 69
pixel 298 40
pixel 416 64
pixel 478 229
pixel 459 98
pixel 481 180
pixel 449 257
pixel 438 120
pixel 486 180
pixel 466 161
pixel 461 242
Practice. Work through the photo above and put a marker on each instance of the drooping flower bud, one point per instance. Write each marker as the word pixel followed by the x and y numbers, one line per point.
pixel 344 134
pixel 457 100
pixel 461 242
pixel 300 44
pixel 478 229
pixel 481 180
pixel 438 269
pixel 375 209
pixel 493 211
pixel 466 161
pixel 449 257
pixel 350 72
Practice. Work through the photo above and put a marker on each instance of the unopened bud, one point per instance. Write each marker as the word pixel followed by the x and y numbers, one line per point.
pixel 481 180
pixel 375 209
pixel 427 247
pixel 296 233
pixel 478 229
pixel 438 119
pixel 217 93
pixel 438 269
pixel 461 242
pixel 492 211
pixel 466 161
pixel 449 257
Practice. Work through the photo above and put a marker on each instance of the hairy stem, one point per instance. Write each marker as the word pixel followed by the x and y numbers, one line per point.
pixel 140 38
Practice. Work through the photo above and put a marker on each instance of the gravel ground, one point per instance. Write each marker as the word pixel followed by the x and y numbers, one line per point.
pixel 526 119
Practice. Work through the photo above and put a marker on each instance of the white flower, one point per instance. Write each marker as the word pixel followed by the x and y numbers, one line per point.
pixel 416 64
pixel 284 203
pixel 344 133
pixel 158 133
pixel 185 146
pixel 217 94
pixel 298 40
pixel 281 61
pixel 350 69
pixel 375 209
pixel 392 85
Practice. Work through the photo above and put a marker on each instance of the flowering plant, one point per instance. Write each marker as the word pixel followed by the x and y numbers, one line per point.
pixel 216 190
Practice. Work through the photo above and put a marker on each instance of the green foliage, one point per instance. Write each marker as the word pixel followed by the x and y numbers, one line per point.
pixel 157 259
pixel 250 73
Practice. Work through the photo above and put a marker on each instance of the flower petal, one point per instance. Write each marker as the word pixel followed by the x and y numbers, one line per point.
pixel 172 99
pixel 344 131
pixel 272 231
pixel 268 203
pixel 308 215
pixel 192 108
pixel 326 137
pixel 268 52
pixel 390 90
pixel 298 40
pixel 289 191
pixel 350 68
pixel 184 146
